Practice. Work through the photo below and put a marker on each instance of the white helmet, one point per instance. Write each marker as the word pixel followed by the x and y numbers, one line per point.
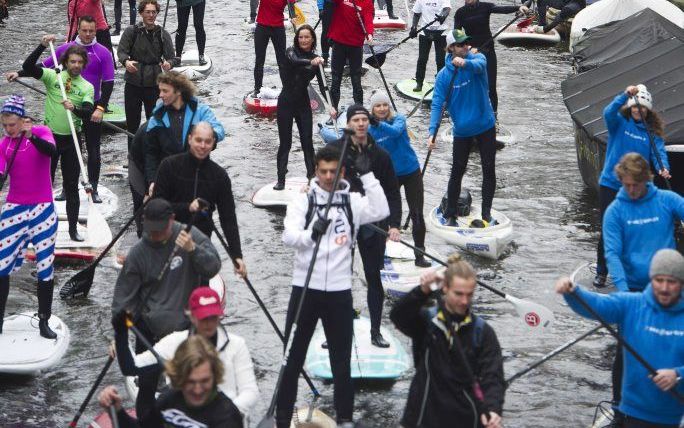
pixel 643 97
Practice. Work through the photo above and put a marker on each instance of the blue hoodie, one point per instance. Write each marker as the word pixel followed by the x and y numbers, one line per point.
pixel 634 230
pixel 393 137
pixel 657 334
pixel 195 112
pixel 470 109
pixel 625 136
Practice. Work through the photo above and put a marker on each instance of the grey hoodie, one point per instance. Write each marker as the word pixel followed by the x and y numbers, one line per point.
pixel 163 311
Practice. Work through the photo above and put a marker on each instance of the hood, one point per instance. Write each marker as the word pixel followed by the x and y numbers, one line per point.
pixel 322 196
pixel 652 302
pixel 651 191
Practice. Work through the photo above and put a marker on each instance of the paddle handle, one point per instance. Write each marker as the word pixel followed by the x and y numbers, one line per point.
pixel 90 394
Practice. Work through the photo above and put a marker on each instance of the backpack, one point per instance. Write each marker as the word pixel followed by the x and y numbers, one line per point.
pixel 346 208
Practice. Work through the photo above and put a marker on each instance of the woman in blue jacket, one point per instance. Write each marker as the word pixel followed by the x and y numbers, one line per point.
pixel 626 133
pixel 389 132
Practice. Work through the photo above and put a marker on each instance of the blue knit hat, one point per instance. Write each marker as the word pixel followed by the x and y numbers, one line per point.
pixel 14 105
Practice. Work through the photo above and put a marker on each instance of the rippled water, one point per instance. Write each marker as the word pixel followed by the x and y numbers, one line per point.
pixel 539 188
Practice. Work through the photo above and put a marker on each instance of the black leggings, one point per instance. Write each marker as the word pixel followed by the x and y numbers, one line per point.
pixel 425 42
pixel 372 249
pixel 566 11
pixel 262 35
pixel 326 19
pixel 118 13
pixel 136 97
pixel 93 138
pixel 461 151
pixel 606 196
pixel 66 153
pixel 490 54
pixel 197 22
pixel 413 190
pixel 336 312
pixel 300 111
pixel 340 54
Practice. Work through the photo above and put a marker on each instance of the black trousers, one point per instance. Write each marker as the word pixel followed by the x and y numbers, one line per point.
pixel 67 157
pixel 566 11
pixel 93 138
pixel 148 378
pixel 425 42
pixel 460 153
pixel 118 13
pixel 300 111
pixel 342 53
pixel 262 35
pixel 371 246
pixel 413 190
pixel 197 22
pixel 490 54
pixel 326 19
pixel 606 196
pixel 136 97
pixel 336 312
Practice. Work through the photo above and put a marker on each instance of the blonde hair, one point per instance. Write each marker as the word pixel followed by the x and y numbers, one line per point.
pixel 192 353
pixel 458 268
pixel 635 166
pixel 179 82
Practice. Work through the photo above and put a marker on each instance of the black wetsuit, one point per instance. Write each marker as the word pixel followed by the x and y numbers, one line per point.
pixel 568 9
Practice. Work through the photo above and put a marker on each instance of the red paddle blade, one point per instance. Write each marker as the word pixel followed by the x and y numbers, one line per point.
pixel 525 23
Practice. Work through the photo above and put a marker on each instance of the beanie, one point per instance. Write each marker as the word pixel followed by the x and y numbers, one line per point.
pixel 667 262
pixel 379 97
pixel 643 96
pixel 355 109
pixel 14 105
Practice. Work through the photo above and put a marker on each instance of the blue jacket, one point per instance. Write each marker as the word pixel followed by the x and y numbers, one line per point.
pixel 657 334
pixel 633 231
pixel 625 136
pixel 470 109
pixel 393 137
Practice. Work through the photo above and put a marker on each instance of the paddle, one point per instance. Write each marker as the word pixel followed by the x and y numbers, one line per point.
pixel 83 280
pixel 378 59
pixel 651 141
pixel 10 163
pixel 141 337
pixel 113 417
pixel 622 342
pixel 166 12
pixel 327 99
pixel 104 122
pixel 268 420
pixel 533 314
pixel 550 355
pixel 89 396
pixel 265 310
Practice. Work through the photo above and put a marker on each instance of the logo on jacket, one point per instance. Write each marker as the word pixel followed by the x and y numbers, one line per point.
pixel 176 262
pixel 179 419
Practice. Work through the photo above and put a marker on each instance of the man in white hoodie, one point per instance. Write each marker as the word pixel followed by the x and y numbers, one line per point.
pixel 329 296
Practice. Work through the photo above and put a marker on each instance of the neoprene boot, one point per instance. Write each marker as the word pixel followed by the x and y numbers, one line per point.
pixel 4 292
pixel 420 259
pixel 377 340
pixel 419 87
pixel 45 290
pixel 390 10
pixel 72 208
pixel 96 196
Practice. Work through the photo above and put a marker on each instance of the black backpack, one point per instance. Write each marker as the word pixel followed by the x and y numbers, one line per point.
pixel 345 204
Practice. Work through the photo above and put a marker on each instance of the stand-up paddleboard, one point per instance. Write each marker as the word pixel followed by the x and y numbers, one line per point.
pixel 382 21
pixel 267 197
pixel 116 40
pixel 405 89
pixel 114 171
pixel 489 242
pixel 524 36
pixel 400 273
pixel 191 67
pixel 24 350
pixel 503 138
pixel 266 102
pixel 584 275
pixel 115 115
pixel 103 420
pixel 109 205
pixel 367 361
pixel 319 418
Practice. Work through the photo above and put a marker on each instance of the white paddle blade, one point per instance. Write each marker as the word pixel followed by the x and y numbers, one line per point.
pixel 534 315
pixel 99 234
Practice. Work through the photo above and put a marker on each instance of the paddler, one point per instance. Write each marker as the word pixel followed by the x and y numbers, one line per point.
pixel 459 366
pixel 371 243
pixel 300 67
pixel 473 18
pixel 183 8
pixel 348 38
pixel 627 133
pixel 651 322
pixel 325 12
pixel 28 214
pixel 145 49
pixel 205 313
pixel 80 94
pixel 194 400
pixel 176 112
pixel 424 12
pixel 93 8
pixel 269 25
pixel 473 121
pixel 188 178
pixel 568 9
pixel 389 132
pixel 328 296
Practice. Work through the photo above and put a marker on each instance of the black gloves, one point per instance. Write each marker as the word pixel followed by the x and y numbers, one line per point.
pixel 119 323
pixel 442 18
pixel 413 33
pixel 362 163
pixel 373 121
pixel 319 228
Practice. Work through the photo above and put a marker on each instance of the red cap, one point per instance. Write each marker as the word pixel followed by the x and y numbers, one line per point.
pixel 205 302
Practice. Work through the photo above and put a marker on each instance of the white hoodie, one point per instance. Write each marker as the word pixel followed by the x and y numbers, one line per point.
pixel 332 271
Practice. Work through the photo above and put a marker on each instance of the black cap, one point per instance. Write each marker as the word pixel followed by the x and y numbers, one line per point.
pixel 156 215
pixel 355 109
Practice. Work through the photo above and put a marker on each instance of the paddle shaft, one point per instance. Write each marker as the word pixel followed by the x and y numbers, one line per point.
pixel 141 337
pixel 327 98
pixel 264 309
pixel 89 396
pixel 550 355
pixel 104 122
pixel 659 160
pixel 11 161
pixel 622 342
pixel 166 12
pixel 407 38
pixel 309 273
pixel 113 417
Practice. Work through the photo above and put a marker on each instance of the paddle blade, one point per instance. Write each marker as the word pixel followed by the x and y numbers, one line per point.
pixel 534 315
pixel 79 284
pixel 99 234
pixel 525 23
pixel 267 422
pixel 371 60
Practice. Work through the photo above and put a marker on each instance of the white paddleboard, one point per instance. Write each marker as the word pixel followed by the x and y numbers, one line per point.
pixel 24 350
pixel 525 37
pixel 317 417
pixel 400 274
pixel 109 205
pixel 382 21
pixel 505 137
pixel 116 40
pixel 584 276
pixel 367 361
pixel 191 67
pixel 267 197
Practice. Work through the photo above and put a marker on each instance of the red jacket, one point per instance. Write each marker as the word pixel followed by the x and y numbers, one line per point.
pixel 345 26
pixel 270 12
